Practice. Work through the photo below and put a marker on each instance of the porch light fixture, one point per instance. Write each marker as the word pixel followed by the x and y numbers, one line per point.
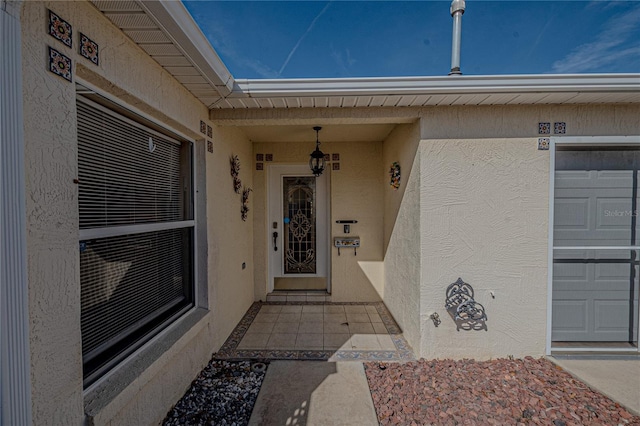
pixel 316 160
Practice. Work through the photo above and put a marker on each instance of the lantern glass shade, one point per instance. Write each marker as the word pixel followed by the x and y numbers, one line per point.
pixel 316 159
pixel 316 162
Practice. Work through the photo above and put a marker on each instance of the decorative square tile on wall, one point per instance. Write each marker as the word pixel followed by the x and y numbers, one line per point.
pixel 336 166
pixel 259 157
pixel 209 131
pixel 203 127
pixel 89 49
pixel 268 157
pixel 560 128
pixel 335 157
pixel 59 64
pixel 544 128
pixel 327 157
pixel 259 166
pixel 60 29
pixel 210 146
pixel 543 144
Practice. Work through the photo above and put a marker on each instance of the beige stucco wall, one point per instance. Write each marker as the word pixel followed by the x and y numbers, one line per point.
pixel 230 238
pixel 128 74
pixel 510 121
pixel 401 266
pixel 400 146
pixel 483 217
pixel 484 200
pixel 356 193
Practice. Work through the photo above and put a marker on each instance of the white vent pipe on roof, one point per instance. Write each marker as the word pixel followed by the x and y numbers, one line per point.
pixel 457 9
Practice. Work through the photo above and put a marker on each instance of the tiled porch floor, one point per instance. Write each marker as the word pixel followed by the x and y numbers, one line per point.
pixel 317 331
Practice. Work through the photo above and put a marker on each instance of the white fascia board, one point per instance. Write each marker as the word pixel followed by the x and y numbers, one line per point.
pixel 588 83
pixel 177 23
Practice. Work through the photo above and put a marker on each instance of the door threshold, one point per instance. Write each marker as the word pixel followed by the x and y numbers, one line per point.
pixel 299 296
pixel 596 355
pixel 593 348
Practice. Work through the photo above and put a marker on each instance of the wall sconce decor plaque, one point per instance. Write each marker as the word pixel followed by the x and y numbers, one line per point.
pixel 394 175
pixel 464 310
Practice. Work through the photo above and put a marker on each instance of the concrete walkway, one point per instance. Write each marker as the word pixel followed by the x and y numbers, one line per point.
pixel 618 378
pixel 314 393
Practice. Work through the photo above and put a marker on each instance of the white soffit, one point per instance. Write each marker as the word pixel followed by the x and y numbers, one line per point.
pixel 435 91
pixel 167 32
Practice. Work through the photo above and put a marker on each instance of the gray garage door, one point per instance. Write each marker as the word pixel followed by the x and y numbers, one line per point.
pixel 595 290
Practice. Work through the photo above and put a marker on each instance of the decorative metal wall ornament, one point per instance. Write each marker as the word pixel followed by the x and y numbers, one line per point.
pixel 316 159
pixel 244 210
pixel 234 162
pixel 394 175
pixel 463 309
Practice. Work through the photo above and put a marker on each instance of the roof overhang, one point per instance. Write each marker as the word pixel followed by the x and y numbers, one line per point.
pixel 168 33
pixel 431 91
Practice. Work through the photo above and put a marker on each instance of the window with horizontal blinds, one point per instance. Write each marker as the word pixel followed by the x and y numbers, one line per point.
pixel 136 234
pixel 128 173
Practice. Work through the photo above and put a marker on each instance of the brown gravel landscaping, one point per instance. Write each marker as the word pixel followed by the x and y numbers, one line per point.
pixel 502 392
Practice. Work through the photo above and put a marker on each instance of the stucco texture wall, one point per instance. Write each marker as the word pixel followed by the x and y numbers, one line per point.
pixel 230 238
pixel 483 217
pixel 401 266
pixel 484 200
pixel 125 73
pixel 356 193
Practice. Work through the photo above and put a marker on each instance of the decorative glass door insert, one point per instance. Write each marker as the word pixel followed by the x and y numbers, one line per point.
pixel 299 195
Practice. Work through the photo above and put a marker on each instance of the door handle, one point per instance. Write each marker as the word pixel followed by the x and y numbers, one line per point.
pixel 275 241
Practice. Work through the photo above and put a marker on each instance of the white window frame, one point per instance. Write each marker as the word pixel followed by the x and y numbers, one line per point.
pixel 576 141
pixel 133 229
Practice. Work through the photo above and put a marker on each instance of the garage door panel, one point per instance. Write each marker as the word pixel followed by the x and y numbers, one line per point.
pixel 572 214
pixel 614 214
pixel 612 274
pixel 595 292
pixel 567 274
pixel 570 315
pixel 594 179
pixel 614 318
pixel 612 314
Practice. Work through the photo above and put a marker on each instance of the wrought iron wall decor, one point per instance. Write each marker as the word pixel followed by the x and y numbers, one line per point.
pixel 394 175
pixel 245 203
pixel 234 161
pixel 464 310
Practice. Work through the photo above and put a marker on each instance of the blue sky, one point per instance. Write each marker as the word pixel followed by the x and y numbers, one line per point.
pixel 306 39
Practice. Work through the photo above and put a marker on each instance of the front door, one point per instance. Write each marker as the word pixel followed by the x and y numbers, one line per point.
pixel 595 271
pixel 297 230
